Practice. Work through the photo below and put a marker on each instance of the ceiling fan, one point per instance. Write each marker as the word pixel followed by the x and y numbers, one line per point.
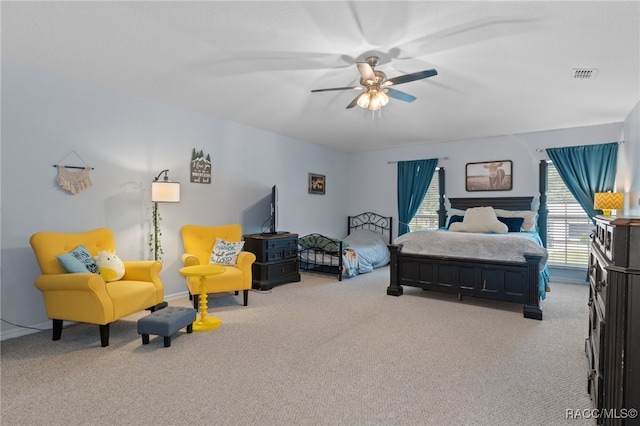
pixel 377 85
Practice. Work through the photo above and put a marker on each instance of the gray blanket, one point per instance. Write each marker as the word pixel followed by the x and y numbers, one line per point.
pixel 509 247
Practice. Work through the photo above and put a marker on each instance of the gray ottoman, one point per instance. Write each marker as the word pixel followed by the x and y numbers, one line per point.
pixel 166 322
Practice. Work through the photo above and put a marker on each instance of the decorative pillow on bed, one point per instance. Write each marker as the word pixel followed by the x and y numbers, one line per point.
pixel 451 213
pixel 454 219
pixel 530 218
pixel 480 220
pixel 514 224
pixel 225 252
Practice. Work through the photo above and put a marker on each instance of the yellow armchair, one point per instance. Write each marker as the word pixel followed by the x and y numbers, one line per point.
pixel 198 242
pixel 86 297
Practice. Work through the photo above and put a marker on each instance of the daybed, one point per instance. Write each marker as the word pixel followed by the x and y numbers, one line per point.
pixel 363 249
pixel 501 275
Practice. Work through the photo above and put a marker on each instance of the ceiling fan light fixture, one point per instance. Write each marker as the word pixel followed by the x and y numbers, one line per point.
pixel 375 83
pixel 384 97
pixel 364 100
pixel 378 99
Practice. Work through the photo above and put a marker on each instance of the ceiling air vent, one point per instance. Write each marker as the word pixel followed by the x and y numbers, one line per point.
pixel 584 73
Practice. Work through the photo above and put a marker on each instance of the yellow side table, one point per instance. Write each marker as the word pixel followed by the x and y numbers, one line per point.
pixel 203 271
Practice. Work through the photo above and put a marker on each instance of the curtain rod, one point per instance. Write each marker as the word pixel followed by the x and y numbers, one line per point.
pixel 439 158
pixel 544 149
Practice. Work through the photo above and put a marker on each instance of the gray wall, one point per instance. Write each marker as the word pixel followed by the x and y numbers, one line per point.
pixel 372 178
pixel 129 140
pixel 629 163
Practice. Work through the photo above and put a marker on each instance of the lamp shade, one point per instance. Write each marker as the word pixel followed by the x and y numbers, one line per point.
pixel 165 192
pixel 607 201
pixel 364 100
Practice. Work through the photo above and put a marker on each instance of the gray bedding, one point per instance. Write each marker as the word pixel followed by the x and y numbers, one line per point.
pixel 370 250
pixel 509 247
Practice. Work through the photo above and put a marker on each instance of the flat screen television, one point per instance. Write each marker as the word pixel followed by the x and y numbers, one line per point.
pixel 273 219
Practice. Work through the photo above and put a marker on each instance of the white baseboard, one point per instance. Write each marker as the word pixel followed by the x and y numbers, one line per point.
pixel 48 325
pixel 568 275
pixel 23 331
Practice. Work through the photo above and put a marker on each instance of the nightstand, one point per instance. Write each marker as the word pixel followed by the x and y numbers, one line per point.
pixel 276 259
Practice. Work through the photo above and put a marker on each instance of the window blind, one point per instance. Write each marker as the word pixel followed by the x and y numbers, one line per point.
pixel 569 228
pixel 427 215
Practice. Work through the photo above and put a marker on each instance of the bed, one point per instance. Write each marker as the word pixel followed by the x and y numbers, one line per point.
pixel 363 249
pixel 519 277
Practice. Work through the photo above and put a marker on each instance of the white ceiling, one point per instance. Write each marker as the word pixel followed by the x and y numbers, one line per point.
pixel 503 67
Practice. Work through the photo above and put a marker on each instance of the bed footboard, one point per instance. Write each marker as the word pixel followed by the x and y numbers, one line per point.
pixel 319 253
pixel 507 281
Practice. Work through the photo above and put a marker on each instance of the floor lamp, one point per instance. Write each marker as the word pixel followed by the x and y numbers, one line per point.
pixel 162 191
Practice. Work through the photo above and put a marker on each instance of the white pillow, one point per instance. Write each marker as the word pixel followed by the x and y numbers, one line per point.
pixel 480 220
pixel 530 218
pixel 109 265
pixel 225 252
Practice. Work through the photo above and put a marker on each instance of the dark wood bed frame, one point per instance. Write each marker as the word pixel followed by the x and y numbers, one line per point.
pixel 499 280
pixel 368 220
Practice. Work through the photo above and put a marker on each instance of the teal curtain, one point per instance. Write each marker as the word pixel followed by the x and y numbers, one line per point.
pixel 414 178
pixel 586 170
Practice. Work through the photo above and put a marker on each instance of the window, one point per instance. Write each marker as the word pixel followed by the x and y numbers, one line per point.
pixel 427 215
pixel 568 226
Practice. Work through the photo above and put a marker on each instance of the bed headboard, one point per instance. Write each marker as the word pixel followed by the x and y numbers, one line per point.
pixel 505 203
pixel 372 222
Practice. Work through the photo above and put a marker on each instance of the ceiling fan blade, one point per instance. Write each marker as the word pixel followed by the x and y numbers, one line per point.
pixel 355 101
pixel 401 96
pixel 366 71
pixel 410 77
pixel 337 88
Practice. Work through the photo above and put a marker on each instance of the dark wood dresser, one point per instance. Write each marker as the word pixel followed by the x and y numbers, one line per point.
pixel 613 345
pixel 276 259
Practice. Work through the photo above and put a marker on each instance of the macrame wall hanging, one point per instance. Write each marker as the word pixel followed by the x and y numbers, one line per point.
pixel 74 181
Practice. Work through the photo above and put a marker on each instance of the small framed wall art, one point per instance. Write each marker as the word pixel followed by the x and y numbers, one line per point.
pixel 200 167
pixel 489 176
pixel 317 184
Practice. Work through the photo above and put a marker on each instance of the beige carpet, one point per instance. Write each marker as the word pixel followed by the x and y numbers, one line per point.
pixel 317 352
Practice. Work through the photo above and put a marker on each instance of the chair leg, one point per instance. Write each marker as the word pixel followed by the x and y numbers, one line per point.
pixel 157 307
pixel 196 299
pixel 245 293
pixel 104 335
pixel 57 329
